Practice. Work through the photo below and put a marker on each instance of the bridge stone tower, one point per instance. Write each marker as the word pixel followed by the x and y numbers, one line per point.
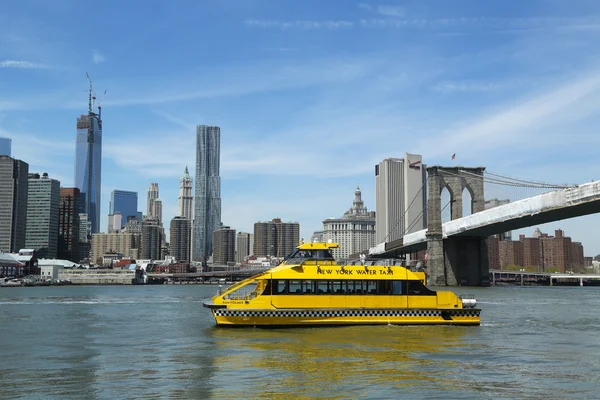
pixel 459 259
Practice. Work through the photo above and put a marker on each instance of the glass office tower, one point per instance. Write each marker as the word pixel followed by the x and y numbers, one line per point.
pixel 88 166
pixel 207 198
pixel 125 203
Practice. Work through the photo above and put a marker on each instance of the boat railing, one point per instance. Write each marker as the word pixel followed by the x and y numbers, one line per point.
pixel 247 295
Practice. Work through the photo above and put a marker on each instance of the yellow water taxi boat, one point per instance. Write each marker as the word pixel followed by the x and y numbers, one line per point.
pixel 310 288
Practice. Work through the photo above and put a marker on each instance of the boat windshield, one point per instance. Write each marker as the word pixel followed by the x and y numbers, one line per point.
pixel 299 256
pixel 247 292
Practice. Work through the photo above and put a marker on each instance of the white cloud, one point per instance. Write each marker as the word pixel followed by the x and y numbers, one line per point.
pixel 467 86
pixel 21 64
pixel 391 11
pixel 301 24
pixel 97 57
pixel 520 121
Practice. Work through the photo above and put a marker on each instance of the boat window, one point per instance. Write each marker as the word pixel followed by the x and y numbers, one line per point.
pixel 384 287
pixel 322 255
pixel 246 292
pixel 357 287
pixel 371 287
pixel 338 287
pixel 417 288
pixel 279 286
pixel 398 287
pixel 308 287
pixel 323 287
pixel 295 287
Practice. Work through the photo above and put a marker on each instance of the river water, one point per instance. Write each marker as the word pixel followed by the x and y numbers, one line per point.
pixel 158 342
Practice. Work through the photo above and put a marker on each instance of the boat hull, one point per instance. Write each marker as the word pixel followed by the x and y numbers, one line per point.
pixel 314 317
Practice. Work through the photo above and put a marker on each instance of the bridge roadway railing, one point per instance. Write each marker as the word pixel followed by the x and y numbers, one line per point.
pixel 210 274
pixel 550 277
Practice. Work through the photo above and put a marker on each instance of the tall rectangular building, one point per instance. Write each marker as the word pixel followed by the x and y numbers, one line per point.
pixel 275 238
pixel 125 203
pixel 400 197
pixel 180 232
pixel 244 246
pixel 5 146
pixel 207 200
pixel 88 165
pixel 43 200
pixel 151 240
pixel 13 203
pixel 224 242
pixel 68 224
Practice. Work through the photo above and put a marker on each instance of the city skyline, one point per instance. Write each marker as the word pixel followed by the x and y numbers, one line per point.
pixel 450 79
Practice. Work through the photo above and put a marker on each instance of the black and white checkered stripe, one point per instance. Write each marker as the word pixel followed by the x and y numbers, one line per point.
pixel 336 313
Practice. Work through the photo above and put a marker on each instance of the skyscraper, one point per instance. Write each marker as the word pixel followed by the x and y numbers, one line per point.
pixel 180 230
pixel 43 202
pixel 400 197
pixel 224 243
pixel 152 195
pixel 125 203
pixel 207 201
pixel 5 145
pixel 186 197
pixel 13 203
pixel 88 162
pixel 68 224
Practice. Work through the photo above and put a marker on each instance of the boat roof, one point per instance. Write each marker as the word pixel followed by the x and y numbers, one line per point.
pixel 318 246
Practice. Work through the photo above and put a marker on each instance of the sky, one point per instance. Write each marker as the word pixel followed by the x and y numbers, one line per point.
pixel 309 95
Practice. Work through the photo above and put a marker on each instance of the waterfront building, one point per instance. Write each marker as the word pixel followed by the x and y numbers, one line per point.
pixel 5 146
pixel 224 241
pixel 186 196
pixel 152 196
pixel 180 231
pixel 14 185
pixel 275 238
pixel 43 201
pixel 400 197
pixel 244 246
pixel 85 236
pixel 152 237
pixel 125 243
pixel 541 251
pixel 354 231
pixel 88 162
pixel 207 196
pixel 125 203
pixel 68 224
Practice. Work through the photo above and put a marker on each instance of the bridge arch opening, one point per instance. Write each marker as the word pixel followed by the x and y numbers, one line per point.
pixel 446 204
pixel 467 201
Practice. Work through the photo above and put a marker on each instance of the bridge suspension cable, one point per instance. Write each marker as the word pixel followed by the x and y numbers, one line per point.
pixel 507 181
pixel 403 216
